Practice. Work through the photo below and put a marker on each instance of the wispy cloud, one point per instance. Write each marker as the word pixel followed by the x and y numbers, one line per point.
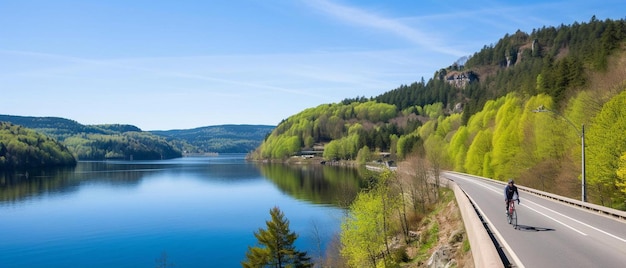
pixel 395 26
pixel 317 75
pixel 76 66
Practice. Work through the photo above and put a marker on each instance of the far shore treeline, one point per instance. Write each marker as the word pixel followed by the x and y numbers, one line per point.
pixel 114 141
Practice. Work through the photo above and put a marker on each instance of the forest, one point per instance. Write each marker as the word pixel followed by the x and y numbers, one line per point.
pixel 217 139
pixel 99 142
pixel 479 117
pixel 128 142
pixel 23 148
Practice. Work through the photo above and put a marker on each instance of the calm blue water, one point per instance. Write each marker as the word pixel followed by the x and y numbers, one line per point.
pixel 200 212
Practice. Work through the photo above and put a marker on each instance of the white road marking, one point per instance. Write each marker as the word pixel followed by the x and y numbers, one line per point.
pixel 573 229
pixel 575 220
pixel 491 188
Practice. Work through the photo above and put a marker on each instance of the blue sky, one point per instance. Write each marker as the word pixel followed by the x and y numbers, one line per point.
pixel 164 65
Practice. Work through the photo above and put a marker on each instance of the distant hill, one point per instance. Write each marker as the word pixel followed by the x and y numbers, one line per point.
pixel 56 127
pixel 99 142
pixel 218 139
pixel 118 141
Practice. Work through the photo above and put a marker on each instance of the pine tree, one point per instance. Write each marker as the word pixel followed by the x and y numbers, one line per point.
pixel 276 247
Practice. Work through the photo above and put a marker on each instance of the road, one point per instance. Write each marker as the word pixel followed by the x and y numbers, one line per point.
pixel 550 233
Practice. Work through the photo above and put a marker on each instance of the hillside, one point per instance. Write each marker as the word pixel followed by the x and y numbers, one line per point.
pixel 478 117
pixel 99 142
pixel 117 141
pixel 218 139
pixel 21 147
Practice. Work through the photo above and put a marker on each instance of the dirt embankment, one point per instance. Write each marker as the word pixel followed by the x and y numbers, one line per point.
pixel 442 240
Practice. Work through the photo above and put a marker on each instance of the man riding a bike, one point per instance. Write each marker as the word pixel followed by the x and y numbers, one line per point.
pixel 510 193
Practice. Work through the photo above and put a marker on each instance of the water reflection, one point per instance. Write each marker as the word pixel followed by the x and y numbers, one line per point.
pixel 202 211
pixel 18 185
pixel 317 184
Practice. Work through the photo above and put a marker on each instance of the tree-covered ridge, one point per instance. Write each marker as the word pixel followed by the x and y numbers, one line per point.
pixel 550 60
pixel 21 147
pixel 218 139
pixel 347 127
pixel 100 142
pixel 118 128
pixel 55 127
pixel 487 127
pixel 125 146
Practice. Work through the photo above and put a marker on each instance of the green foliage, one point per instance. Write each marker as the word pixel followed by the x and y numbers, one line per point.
pixel 399 255
pixel 466 245
pixel 21 147
pixel 55 127
pixel 498 135
pixel 547 133
pixel 458 148
pixel 99 142
pixel 365 230
pixel 406 145
pixel 362 233
pixel 506 138
pixel 430 237
pixel 433 110
pixel 276 247
pixel 328 124
pixel 557 61
pixel 478 156
pixel 344 148
pixel 606 143
pixel 217 139
pixel 527 64
pixel 364 155
pixel 128 146
pixel 118 128
pixel 621 173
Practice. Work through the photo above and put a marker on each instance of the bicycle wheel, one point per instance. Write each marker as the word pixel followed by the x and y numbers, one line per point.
pixel 508 217
pixel 514 219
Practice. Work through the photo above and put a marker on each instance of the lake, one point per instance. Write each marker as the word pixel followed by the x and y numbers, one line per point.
pixel 196 211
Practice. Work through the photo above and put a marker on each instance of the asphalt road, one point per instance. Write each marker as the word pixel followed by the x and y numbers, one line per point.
pixel 550 233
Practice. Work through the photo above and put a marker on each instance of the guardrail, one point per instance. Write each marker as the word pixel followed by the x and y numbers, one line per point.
pixel 618 214
pixel 483 251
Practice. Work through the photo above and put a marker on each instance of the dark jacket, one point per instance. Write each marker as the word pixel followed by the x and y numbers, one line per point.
pixel 509 191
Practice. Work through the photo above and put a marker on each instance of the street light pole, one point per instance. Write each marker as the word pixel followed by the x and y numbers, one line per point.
pixel 584 186
pixel 581 133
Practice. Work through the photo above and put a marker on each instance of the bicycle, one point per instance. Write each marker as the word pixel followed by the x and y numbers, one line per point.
pixel 511 214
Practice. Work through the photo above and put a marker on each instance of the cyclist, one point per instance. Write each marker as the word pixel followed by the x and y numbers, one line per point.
pixel 510 193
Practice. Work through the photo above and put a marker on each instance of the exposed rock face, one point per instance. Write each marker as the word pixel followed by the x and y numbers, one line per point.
pixel 458 108
pixel 460 79
pixel 442 258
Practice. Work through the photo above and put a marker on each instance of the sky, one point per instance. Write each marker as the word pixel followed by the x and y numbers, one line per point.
pixel 163 65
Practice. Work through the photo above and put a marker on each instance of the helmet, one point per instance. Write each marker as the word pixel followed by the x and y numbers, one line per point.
pixel 511 181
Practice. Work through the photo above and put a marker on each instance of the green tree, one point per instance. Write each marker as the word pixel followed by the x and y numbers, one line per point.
pixel 606 143
pixel 506 138
pixel 621 174
pixel 365 230
pixel 276 245
pixel 477 152
pixel 364 155
pixel 458 148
